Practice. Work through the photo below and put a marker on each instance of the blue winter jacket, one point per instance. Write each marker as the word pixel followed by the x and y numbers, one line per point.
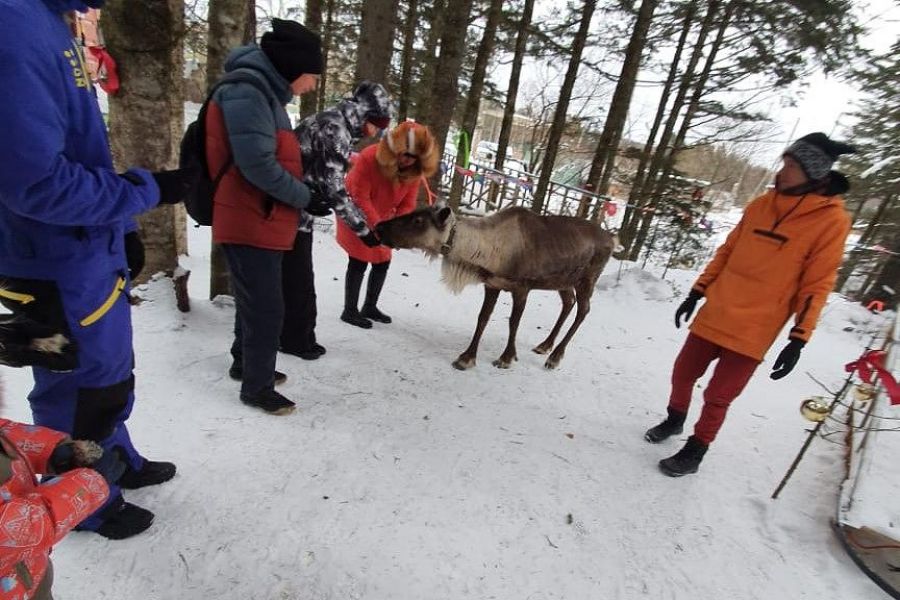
pixel 63 209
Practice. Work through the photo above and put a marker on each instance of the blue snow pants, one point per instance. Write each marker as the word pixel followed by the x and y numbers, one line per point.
pixel 93 401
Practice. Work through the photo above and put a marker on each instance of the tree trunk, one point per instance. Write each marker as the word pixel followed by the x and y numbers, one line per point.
pixel 432 41
pixel 856 254
pixel 629 230
pixel 445 91
pixel 327 39
pixel 562 107
pixel 227 29
pixel 376 41
pixel 512 91
pixel 687 121
pixel 313 22
pixel 146 116
pixel 887 284
pixel 640 173
pixel 607 147
pixel 409 40
pixel 473 101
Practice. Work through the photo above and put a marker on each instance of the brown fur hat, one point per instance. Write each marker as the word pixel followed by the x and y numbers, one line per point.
pixel 413 138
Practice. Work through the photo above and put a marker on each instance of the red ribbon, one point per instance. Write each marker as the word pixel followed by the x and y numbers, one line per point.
pixel 873 362
pixel 107 72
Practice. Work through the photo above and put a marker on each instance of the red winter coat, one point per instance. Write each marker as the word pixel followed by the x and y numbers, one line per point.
pixel 380 198
pixel 254 129
pixel 34 517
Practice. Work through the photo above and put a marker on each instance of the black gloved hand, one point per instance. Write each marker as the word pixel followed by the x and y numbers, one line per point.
pixel 134 254
pixel 370 239
pixel 686 309
pixel 787 359
pixel 318 203
pixel 27 343
pixel 74 453
pixel 175 185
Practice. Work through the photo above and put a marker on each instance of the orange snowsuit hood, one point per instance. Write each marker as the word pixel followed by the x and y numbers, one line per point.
pixel 780 260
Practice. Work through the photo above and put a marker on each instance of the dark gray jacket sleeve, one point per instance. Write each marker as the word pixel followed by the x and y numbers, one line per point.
pixel 335 157
pixel 252 131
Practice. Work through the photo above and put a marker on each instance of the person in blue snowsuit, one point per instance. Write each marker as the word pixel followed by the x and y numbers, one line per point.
pixel 64 216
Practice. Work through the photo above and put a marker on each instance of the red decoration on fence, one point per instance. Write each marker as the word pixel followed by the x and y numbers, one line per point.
pixel 611 208
pixel 872 362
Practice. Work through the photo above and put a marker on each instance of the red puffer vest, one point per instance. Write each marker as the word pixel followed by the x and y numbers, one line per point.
pixel 244 214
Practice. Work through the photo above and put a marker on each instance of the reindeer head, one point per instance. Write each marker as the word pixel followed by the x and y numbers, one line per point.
pixel 424 229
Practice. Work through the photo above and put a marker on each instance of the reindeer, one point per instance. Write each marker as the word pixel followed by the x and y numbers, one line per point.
pixel 513 250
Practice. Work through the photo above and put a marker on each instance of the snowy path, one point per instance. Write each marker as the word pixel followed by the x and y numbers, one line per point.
pixel 401 478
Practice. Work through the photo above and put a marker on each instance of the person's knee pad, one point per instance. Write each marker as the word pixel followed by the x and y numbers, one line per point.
pixel 99 409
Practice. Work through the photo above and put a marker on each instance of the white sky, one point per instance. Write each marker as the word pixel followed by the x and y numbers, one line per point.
pixel 821 103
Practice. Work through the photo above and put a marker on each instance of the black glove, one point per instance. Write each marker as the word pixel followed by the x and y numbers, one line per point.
pixel 27 343
pixel 134 254
pixel 788 358
pixel 686 309
pixel 318 203
pixel 370 239
pixel 175 185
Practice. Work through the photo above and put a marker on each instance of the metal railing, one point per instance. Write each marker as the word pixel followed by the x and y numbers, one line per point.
pixel 486 189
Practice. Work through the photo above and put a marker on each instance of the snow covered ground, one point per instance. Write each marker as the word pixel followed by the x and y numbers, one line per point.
pixel 402 478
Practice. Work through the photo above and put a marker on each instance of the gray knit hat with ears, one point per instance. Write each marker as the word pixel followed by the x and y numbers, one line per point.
pixel 816 153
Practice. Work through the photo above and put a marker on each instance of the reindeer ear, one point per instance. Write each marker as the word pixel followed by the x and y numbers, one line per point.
pixel 442 215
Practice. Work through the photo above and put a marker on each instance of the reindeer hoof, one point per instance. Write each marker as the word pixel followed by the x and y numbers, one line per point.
pixel 503 363
pixel 541 349
pixel 463 363
pixel 552 362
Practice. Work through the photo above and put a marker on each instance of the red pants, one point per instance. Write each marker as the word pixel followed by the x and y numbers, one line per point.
pixel 732 373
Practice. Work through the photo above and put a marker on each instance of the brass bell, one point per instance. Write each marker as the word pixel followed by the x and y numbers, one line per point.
pixel 864 392
pixel 814 409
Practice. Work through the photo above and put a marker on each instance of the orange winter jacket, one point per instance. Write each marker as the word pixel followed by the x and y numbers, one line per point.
pixel 780 260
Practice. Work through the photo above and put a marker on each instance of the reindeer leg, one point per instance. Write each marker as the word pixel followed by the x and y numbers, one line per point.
pixel 509 355
pixel 568 301
pixel 466 360
pixel 583 291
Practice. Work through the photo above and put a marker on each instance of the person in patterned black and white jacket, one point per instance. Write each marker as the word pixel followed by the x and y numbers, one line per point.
pixel 326 142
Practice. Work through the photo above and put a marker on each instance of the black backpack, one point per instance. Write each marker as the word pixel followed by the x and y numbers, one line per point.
pixel 199 202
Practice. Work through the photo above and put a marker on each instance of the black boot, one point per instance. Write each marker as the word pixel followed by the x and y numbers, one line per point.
pixel 673 425
pixel 314 352
pixel 685 461
pixel 124 521
pixel 376 281
pixel 236 372
pixel 356 270
pixel 270 401
pixel 152 473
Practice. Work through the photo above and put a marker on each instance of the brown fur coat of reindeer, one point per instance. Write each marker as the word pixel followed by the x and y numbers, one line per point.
pixel 513 250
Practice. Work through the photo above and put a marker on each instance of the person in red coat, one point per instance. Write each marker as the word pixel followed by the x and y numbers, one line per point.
pixel 384 183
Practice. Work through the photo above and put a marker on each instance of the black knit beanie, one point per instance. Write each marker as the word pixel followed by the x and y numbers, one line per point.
pixel 816 153
pixel 292 49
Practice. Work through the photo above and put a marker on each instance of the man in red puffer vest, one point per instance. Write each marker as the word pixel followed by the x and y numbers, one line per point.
pixel 258 199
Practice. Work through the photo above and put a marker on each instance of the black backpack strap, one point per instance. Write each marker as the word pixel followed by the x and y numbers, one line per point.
pixel 232 77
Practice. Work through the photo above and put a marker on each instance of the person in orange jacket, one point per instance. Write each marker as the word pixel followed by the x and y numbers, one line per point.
pixel 781 260
pixel 35 516
pixel 384 183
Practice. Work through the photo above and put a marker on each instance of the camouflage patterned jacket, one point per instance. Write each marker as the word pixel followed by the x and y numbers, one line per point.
pixel 326 141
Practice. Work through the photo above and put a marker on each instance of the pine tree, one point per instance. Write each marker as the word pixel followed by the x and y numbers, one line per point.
pixel 874 172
